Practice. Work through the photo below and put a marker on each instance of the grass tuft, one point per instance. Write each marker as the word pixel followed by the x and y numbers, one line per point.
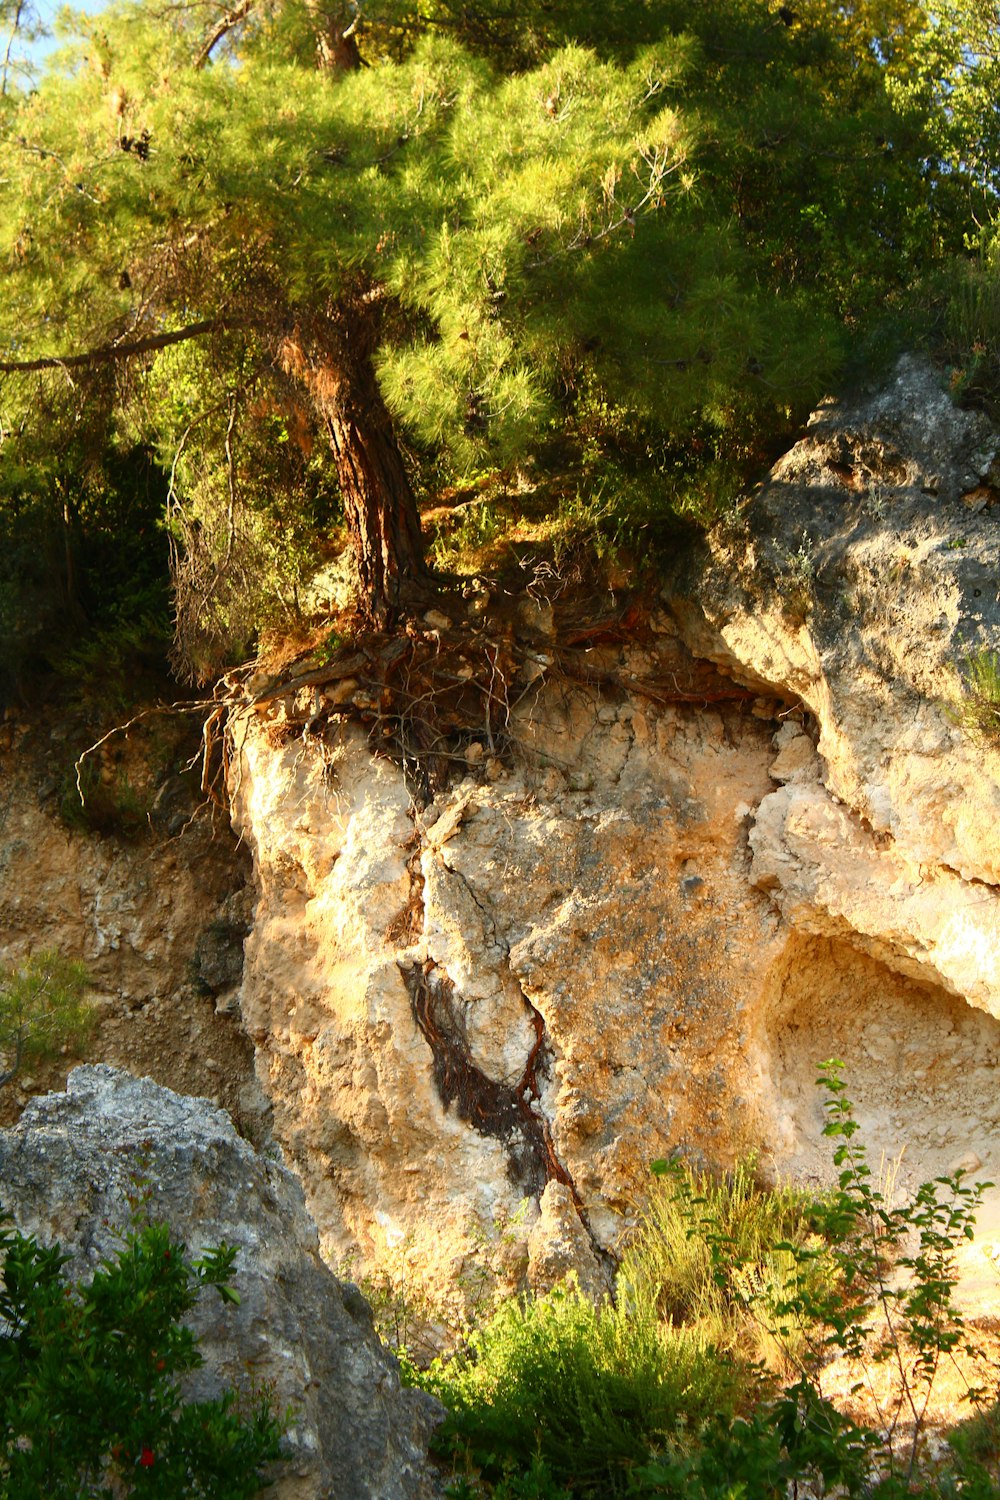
pixel 978 710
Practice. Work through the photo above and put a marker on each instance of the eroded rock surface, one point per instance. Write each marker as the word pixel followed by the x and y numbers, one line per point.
pixel 69 1171
pixel 479 1019
pixel 159 921
pixel 641 929
pixel 861 578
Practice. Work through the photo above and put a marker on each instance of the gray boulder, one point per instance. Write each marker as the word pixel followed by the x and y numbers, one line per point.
pixel 71 1169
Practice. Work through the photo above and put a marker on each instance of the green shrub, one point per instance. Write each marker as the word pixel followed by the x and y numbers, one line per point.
pixel 672 1264
pixel 43 1008
pixel 586 1390
pixel 797 1439
pixel 978 709
pixel 91 1398
pixel 84 578
pixel 555 1398
pixel 971 334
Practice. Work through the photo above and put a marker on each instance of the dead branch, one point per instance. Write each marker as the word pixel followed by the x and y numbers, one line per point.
pixel 109 353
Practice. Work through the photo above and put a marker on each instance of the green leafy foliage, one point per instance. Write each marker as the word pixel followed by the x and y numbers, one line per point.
pixel 43 1009
pixel 84 576
pixel 868 1234
pixel 798 1439
pixel 622 247
pixel 91 1398
pixel 585 1389
pixel 720 1254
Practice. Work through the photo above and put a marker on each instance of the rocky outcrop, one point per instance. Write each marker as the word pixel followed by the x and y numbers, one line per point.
pixel 863 578
pixel 890 834
pixel 158 920
pixel 69 1171
pixel 649 903
pixel 478 1019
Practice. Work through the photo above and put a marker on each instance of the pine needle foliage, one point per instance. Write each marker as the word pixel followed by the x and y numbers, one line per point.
pixel 628 245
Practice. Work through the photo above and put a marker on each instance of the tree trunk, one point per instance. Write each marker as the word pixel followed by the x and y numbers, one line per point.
pixel 336 43
pixel 333 357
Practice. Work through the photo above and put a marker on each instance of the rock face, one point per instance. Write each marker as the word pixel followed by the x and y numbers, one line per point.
pixel 862 579
pixel 67 1172
pixel 159 923
pixel 478 1020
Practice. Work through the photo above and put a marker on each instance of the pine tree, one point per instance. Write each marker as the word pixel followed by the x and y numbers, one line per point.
pixel 618 245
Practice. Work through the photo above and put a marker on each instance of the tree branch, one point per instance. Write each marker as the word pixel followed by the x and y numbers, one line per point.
pixel 108 353
pixel 232 18
pixel 6 70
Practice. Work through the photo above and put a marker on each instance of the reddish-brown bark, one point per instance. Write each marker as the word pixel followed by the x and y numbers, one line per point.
pixel 333 356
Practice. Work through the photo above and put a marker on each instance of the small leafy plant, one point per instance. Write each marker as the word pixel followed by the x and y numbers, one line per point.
pixel 578 1392
pixel 43 1008
pixel 704 1380
pixel 796 579
pixel 92 1402
pixel 709 1251
pixel 896 1260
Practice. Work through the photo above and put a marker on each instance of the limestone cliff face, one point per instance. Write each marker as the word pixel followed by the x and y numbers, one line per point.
pixel 862 577
pixel 478 1020
pixel 159 922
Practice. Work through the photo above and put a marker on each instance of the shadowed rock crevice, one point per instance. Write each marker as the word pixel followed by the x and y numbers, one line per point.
pixel 509 1113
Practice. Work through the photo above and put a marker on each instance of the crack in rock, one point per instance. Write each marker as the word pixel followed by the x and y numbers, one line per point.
pixel 510 1114
pixel 408 924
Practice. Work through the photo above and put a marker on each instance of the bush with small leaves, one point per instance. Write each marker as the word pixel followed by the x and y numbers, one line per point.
pixel 91 1379
pixel 43 1008
pixel 674 1391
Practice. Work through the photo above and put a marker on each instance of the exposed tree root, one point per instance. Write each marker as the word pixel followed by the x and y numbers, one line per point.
pixel 507 1112
pixel 432 689
pixel 437 693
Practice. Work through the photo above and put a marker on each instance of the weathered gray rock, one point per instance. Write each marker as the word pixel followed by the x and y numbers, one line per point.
pixel 859 580
pixel 68 1171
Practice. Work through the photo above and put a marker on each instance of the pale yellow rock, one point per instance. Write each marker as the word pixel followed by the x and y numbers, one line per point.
pixel 341 692
pixel 584 981
pixel 796 761
pixel 435 620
